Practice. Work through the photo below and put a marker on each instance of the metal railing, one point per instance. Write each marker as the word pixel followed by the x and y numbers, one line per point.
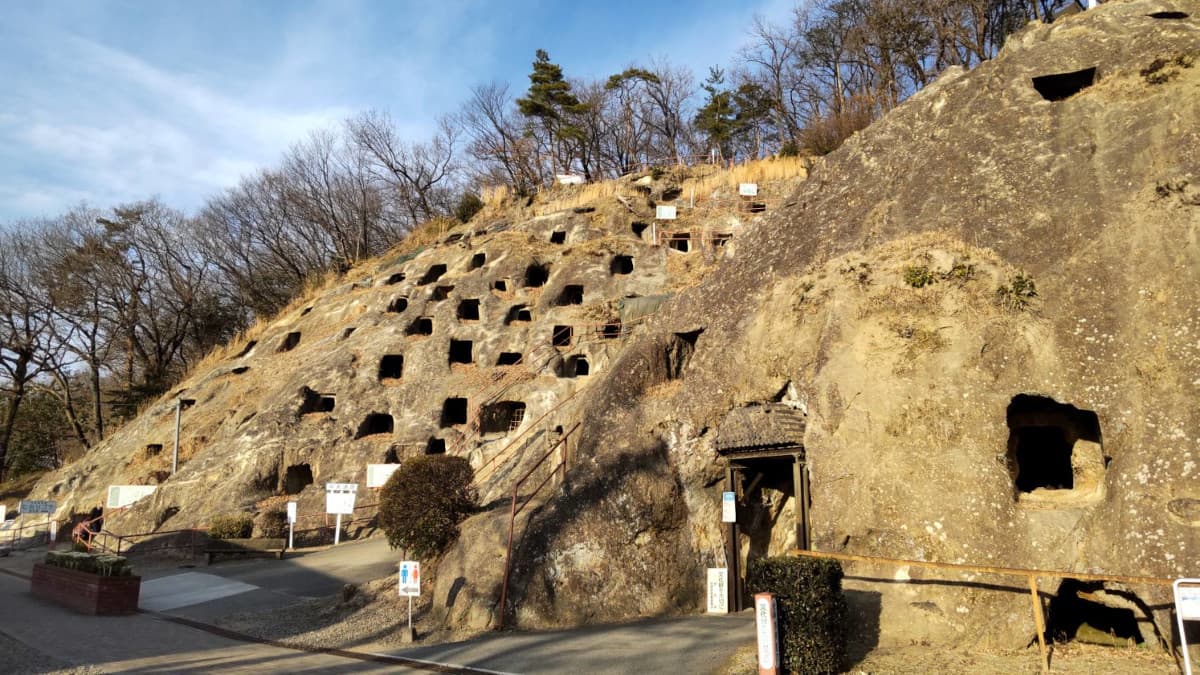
pixel 519 504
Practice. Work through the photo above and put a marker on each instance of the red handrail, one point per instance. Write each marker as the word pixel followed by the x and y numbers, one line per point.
pixel 516 509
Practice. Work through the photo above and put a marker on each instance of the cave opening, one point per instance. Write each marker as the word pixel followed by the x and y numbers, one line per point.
pixel 313 402
pixel 478 260
pixel 1043 435
pixel 468 310
pixel 621 264
pixel 560 336
pixel 536 275
pixel 398 305
pixel 460 351
pixel 296 478
pixel 433 274
pixel 501 417
pixel 289 342
pixel 572 294
pixel 1061 86
pixel 454 412
pixel 391 367
pixel 558 237
pixel 518 314
pixel 508 358
pixel 1075 614
pixel 421 326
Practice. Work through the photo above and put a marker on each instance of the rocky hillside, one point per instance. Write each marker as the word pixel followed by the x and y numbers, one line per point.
pixel 983 307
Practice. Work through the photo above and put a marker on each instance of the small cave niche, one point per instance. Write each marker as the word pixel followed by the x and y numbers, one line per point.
pixel 167 514
pixel 247 349
pixel 434 273
pixel 518 314
pixel 638 228
pixel 1076 613
pixel 306 311
pixel 679 352
pixel 1050 444
pixel 240 370
pixel 460 351
pixel 558 237
pixel 391 367
pixel 572 294
pixel 672 193
pixel 508 359
pixel 289 342
pixel 374 424
pixel 440 293
pixel 468 310
pixel 1170 16
pixel 454 412
pixel 561 335
pixel 611 330
pixel 421 326
pixel 680 241
pixel 153 449
pixel 348 332
pixel 392 456
pixel 394 279
pixel 312 402
pixel 574 366
pixel 719 239
pixel 536 276
pixel 1061 86
pixel 756 207
pixel 296 478
pixel 500 285
pixel 501 417
pixel 398 305
pixel 436 446
pixel 621 264
pixel 478 260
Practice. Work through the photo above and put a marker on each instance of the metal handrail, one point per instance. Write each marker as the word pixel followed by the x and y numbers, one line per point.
pixel 516 509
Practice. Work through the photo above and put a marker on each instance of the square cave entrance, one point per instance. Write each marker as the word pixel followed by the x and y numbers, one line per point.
pixel 296 478
pixel 1055 451
pixel 500 418
pixel 454 412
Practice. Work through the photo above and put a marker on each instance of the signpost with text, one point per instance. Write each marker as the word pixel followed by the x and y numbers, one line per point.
pixel 410 587
pixel 339 500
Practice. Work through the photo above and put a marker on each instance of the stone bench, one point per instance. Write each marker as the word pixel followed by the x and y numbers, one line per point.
pixel 256 548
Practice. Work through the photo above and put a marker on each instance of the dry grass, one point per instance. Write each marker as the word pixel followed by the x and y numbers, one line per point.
pixel 771 170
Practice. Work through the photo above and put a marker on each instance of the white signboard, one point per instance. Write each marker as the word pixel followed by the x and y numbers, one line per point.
pixel 570 179
pixel 728 507
pixel 291 512
pixel 665 212
pixel 378 474
pixel 339 498
pixel 410 579
pixel 764 625
pixel 748 189
pixel 120 496
pixel 36 506
pixel 3 513
pixel 718 590
pixel 1187 608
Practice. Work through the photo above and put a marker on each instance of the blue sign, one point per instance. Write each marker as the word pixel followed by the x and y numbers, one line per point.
pixel 37 506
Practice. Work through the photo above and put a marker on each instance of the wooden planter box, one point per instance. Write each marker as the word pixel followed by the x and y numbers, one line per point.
pixel 85 592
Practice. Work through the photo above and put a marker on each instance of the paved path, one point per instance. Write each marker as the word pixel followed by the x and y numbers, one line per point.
pixel 151 642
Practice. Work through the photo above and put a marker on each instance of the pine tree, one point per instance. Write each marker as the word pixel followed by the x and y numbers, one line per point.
pixel 551 102
pixel 717 118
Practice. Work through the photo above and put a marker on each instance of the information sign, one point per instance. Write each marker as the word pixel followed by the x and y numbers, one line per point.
pixel 665 212
pixel 3 513
pixel 339 498
pixel 120 496
pixel 378 474
pixel 291 512
pixel 1187 608
pixel 764 625
pixel 410 579
pixel 718 590
pixel 28 506
pixel 728 507
pixel 748 189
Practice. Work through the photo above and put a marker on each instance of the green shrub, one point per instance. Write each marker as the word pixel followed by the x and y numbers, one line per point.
pixel 102 564
pixel 918 276
pixel 812 610
pixel 233 526
pixel 423 502
pixel 1017 294
pixel 273 524
pixel 468 205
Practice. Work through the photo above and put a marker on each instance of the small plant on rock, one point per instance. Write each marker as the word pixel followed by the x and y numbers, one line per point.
pixel 423 502
pixel 918 276
pixel 1017 294
pixel 232 526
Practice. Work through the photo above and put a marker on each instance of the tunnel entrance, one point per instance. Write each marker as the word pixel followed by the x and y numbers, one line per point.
pixel 296 478
pixel 1062 86
pixel 1051 445
pixel 1088 612
pixel 375 423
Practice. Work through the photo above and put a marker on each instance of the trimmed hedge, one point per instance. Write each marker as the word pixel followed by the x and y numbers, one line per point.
pixel 273 524
pixel 423 502
pixel 234 526
pixel 92 563
pixel 812 610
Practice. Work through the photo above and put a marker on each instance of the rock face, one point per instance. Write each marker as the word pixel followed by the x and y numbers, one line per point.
pixel 984 305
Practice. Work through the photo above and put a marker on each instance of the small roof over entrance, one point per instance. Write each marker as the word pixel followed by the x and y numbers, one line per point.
pixel 761 430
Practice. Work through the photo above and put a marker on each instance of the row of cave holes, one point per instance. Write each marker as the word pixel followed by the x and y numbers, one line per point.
pixel 536 275
pixel 391 369
pixel 497 418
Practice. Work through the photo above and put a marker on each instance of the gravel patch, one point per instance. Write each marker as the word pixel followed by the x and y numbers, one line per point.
pixel 20 659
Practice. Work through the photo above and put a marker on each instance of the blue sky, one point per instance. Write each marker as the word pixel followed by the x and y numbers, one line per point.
pixel 106 102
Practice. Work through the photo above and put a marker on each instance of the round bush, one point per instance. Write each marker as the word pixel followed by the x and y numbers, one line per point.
pixel 233 526
pixel 423 502
pixel 273 524
pixel 812 610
